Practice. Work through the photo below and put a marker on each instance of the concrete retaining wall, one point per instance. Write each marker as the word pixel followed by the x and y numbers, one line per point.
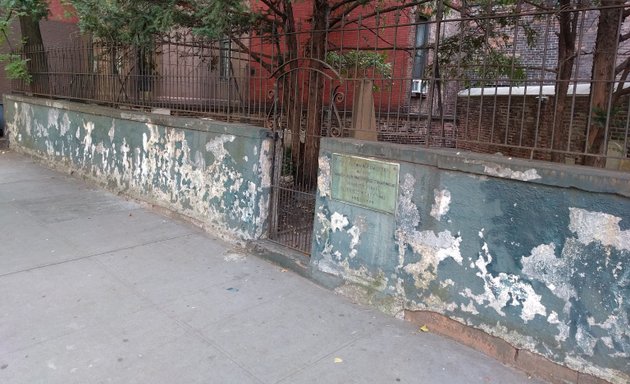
pixel 214 172
pixel 535 254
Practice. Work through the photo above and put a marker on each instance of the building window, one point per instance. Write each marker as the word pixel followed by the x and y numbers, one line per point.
pixel 421 51
pixel 225 59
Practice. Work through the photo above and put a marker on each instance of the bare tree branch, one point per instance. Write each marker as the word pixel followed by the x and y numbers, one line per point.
pixel 538 5
pixel 275 9
pixel 408 49
pixel 395 8
pixel 254 55
pixel 345 2
pixel 345 13
pixel 622 92
pixel 622 66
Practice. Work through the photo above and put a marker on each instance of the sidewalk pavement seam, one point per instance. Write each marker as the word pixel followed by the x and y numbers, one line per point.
pixel 94 255
pixel 40 342
pixel 62 177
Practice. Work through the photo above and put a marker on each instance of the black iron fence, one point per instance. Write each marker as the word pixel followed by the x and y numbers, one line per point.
pixel 524 80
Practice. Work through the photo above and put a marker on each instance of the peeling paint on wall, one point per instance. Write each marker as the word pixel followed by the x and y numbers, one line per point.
pixel 433 248
pixel 542 267
pixel 497 170
pixel 217 146
pixel 219 182
pixel 504 290
pixel 338 222
pixel 323 178
pixel 598 227
pixel 441 205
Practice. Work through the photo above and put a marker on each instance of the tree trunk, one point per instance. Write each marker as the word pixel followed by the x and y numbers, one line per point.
pixel 566 59
pixel 603 75
pixel 321 11
pixel 34 52
pixel 290 87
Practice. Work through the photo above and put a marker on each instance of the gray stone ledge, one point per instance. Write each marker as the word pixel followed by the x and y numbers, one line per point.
pixel 532 171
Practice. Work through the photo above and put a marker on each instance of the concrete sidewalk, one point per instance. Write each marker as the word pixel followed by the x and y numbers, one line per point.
pixel 96 289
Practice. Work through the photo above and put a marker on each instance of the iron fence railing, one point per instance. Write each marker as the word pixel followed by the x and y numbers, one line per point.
pixel 525 81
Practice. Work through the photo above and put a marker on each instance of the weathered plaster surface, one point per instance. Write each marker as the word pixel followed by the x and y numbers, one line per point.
pixel 593 227
pixel 544 267
pixel 497 170
pixel 323 178
pixel 442 204
pixel 213 174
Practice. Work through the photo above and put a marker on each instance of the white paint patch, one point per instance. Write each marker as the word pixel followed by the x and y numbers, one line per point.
pixel 112 131
pixel 64 126
pixel 40 130
pixel 507 173
pixel 585 341
pixel 435 303
pixel 264 164
pixel 504 289
pixel 407 211
pixel 217 148
pixel 433 249
pixel 338 222
pixel 563 329
pixel 608 342
pixel 53 118
pixel 355 234
pixel 598 227
pixel 470 308
pixel 323 179
pixel 26 117
pixel 441 204
pixel 263 214
pixel 199 160
pixel 543 265
pixel 87 140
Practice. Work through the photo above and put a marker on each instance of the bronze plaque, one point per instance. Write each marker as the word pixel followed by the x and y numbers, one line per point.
pixel 365 182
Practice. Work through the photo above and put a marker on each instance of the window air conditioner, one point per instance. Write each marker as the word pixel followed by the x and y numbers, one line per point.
pixel 419 87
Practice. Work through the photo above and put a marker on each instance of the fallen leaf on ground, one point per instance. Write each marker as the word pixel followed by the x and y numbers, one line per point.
pixel 338 360
pixel 424 328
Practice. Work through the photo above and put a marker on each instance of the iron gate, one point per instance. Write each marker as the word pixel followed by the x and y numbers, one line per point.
pixel 304 111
